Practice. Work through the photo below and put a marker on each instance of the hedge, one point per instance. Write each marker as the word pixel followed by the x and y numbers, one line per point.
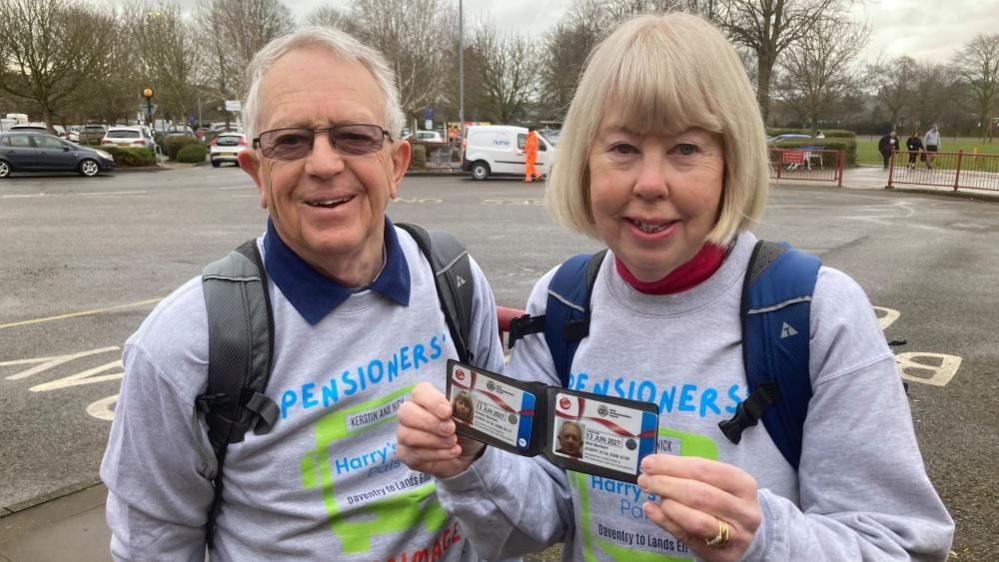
pixel 175 143
pixel 829 133
pixel 192 153
pixel 127 156
pixel 419 159
pixel 847 145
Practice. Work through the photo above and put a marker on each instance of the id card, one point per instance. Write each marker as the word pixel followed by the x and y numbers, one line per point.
pixel 600 435
pixel 494 409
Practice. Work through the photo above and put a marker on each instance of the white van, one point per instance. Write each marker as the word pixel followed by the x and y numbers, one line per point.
pixel 499 150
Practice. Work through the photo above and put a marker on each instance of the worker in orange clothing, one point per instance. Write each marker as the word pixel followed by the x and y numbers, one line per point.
pixel 531 157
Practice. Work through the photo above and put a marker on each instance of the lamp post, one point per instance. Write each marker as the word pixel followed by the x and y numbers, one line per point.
pixel 148 94
pixel 461 74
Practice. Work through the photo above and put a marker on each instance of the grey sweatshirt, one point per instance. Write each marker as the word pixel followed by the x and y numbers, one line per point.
pixel 862 492
pixel 325 483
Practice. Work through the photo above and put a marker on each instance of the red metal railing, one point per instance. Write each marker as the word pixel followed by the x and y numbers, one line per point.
pixel 807 163
pixel 945 169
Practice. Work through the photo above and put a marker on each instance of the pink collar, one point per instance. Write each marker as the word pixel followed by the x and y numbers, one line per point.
pixel 700 267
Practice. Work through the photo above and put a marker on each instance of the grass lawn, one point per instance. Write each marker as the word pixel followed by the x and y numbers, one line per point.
pixel 867 148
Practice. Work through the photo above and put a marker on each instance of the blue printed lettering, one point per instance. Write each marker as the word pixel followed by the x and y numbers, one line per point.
pixel 362 378
pixel 666 400
pixel 308 396
pixel 373 367
pixel 649 396
pixel 733 394
pixel 404 358
pixel 436 347
pixel 602 388
pixel 393 368
pixel 619 387
pixel 342 466
pixel 351 385
pixel 288 399
pixel 581 379
pixel 330 395
pixel 419 354
pixel 686 397
pixel 708 402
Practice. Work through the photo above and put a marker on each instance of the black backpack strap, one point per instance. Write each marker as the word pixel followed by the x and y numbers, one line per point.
pixel 240 351
pixel 453 278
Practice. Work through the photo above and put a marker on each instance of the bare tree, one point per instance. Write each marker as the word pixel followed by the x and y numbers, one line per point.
pixel 509 73
pixel 894 81
pixel 249 25
pixel 328 16
pixel 978 66
pixel 416 37
pixel 49 51
pixel 769 27
pixel 818 71
pixel 933 89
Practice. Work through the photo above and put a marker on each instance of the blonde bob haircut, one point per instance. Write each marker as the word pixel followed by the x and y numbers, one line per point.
pixel 667 74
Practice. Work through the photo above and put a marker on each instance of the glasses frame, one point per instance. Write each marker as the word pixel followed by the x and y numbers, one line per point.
pixel 330 133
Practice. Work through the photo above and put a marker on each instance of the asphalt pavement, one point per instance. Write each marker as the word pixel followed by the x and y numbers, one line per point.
pixel 69 524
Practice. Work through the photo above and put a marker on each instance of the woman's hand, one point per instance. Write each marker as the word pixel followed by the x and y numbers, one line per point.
pixel 426 435
pixel 698 498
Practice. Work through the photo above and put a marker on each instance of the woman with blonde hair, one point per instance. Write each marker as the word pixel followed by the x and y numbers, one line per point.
pixel 663 158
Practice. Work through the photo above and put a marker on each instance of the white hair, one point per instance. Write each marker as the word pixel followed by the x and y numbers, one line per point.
pixel 340 44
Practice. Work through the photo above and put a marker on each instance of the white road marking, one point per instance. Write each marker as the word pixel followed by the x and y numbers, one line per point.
pixel 45 363
pixel 935 369
pixel 86 377
pixel 78 314
pixel 23 196
pixel 101 409
pixel 886 316
pixel 112 193
pixel 419 201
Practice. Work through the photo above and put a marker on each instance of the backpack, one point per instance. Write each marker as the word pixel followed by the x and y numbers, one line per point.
pixel 776 304
pixel 241 338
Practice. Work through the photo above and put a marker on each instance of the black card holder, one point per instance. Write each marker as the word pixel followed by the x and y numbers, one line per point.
pixel 497 410
pixel 613 434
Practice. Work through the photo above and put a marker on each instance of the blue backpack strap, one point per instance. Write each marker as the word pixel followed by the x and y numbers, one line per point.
pixel 776 312
pixel 567 314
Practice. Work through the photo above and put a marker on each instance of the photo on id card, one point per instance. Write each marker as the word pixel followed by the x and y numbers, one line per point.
pixel 494 409
pixel 599 435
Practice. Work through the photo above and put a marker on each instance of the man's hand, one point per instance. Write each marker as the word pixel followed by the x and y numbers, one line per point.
pixel 426 435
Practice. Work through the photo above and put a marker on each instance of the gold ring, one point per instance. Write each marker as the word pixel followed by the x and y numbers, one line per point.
pixel 722 538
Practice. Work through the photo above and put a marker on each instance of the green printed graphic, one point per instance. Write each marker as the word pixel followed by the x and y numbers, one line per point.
pixel 691 445
pixel 395 513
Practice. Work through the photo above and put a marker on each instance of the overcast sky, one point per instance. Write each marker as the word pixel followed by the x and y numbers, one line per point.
pixel 930 30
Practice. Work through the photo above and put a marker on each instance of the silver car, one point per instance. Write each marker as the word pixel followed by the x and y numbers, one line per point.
pixel 226 148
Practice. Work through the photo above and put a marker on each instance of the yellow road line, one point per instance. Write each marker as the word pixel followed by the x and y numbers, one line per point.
pixel 78 314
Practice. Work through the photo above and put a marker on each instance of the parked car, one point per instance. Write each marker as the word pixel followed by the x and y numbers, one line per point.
pixel 40 127
pixel 39 152
pixel 93 133
pixel 128 136
pixel 179 131
pixel 426 136
pixel 499 150
pixel 226 148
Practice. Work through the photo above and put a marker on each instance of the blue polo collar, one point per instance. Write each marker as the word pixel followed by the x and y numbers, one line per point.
pixel 313 294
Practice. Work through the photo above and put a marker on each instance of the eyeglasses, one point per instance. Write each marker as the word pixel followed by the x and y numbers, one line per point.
pixel 295 143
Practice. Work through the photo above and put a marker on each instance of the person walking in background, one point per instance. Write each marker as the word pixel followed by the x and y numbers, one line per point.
pixel 915 147
pixel 887 145
pixel 531 157
pixel 819 134
pixel 932 141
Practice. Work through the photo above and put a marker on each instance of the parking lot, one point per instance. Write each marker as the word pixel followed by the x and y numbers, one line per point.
pixel 85 259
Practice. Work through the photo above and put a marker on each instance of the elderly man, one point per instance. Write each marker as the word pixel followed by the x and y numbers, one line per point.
pixel 356 324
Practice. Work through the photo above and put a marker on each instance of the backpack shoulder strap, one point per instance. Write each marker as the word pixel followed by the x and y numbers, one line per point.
pixel 567 312
pixel 240 351
pixel 776 312
pixel 453 278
